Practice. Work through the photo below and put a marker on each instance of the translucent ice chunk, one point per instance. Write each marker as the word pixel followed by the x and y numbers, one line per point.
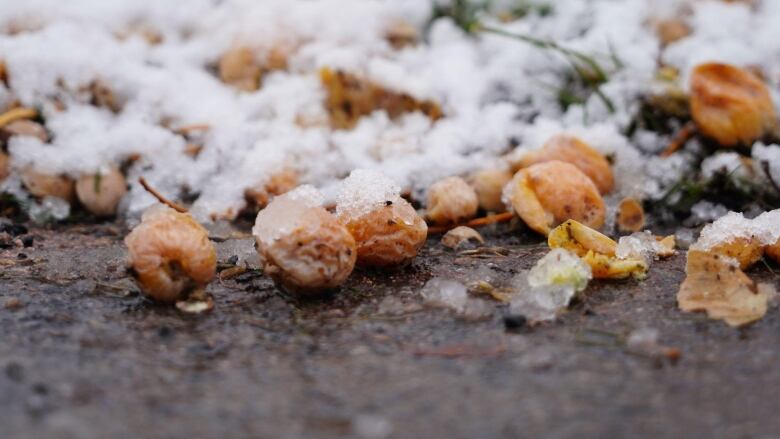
pixel 560 267
pixel 445 293
pixel 640 245
pixel 549 286
pixel 363 191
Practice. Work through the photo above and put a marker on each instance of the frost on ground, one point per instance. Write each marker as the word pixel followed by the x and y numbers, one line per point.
pixel 116 81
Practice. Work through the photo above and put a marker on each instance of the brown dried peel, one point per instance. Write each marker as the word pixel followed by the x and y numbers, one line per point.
pixel 597 250
pixel 716 285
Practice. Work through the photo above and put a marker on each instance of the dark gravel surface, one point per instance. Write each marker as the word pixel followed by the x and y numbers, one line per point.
pixel 82 355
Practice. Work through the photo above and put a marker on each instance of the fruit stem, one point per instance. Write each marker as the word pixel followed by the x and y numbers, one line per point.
pixel 160 196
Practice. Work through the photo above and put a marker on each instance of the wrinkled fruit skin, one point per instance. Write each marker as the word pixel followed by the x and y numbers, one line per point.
pixel 170 255
pixel 746 251
pixel 572 150
pixel 489 184
pixel 547 194
pixel 451 201
pixel 101 195
pixel 313 257
pixel 384 238
pixel 45 185
pixel 731 105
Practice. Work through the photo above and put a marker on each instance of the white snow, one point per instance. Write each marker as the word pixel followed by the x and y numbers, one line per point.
pixel 493 90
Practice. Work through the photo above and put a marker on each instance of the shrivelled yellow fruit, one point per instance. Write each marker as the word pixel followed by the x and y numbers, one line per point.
pixel 302 246
pixel 451 201
pixel 547 194
pixel 389 235
pixel 489 185
pixel 572 150
pixel 41 184
pixel 101 192
pixel 170 255
pixel 731 105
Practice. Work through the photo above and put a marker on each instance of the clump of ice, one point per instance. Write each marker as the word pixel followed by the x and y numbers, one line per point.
pixel 639 245
pixel 766 161
pixel 705 211
pixel 445 293
pixel 49 209
pixel 451 294
pixel 546 289
pixel 765 228
pixel 725 163
pixel 365 191
pixel 285 213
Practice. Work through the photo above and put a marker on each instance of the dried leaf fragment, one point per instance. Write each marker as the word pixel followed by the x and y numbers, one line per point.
pixel 460 236
pixel 596 250
pixel 631 215
pixel 715 284
pixel 350 97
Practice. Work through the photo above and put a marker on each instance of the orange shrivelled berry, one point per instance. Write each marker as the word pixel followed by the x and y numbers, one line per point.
pixel 572 150
pixel 547 194
pixel 170 255
pixel 731 105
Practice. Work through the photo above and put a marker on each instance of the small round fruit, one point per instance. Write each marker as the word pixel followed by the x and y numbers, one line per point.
pixel 389 235
pixel 171 256
pixel 100 193
pixel 239 68
pixel 41 185
pixel 547 194
pixel 731 105
pixel 572 150
pixel 303 248
pixel 451 201
pixel 489 185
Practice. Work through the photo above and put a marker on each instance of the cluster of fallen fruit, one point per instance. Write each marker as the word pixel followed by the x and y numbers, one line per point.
pixel 557 191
